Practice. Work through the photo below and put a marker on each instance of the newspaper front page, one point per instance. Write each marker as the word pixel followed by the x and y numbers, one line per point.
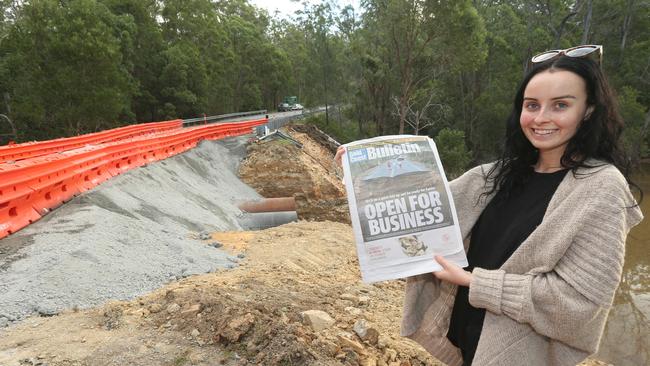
pixel 401 209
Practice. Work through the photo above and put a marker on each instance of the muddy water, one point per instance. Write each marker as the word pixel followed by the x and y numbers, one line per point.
pixel 626 340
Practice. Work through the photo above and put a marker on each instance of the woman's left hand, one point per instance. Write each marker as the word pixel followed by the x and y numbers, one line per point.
pixel 339 155
pixel 452 273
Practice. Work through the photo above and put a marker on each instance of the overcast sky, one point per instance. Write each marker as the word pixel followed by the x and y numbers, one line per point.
pixel 288 7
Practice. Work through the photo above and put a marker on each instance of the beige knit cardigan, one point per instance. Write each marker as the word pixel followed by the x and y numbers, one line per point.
pixel 547 305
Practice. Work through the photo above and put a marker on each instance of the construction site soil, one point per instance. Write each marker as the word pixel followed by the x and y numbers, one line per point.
pixel 295 298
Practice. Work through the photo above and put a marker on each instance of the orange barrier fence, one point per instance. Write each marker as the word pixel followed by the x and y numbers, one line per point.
pixel 32 187
pixel 39 148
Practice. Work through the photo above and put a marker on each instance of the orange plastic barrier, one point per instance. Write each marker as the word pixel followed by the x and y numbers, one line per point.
pixel 32 187
pixel 39 148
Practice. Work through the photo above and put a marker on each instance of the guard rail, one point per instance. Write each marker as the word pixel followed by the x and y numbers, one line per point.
pixel 221 117
pixel 39 148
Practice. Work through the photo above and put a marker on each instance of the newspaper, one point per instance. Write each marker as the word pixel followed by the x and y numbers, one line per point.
pixel 401 208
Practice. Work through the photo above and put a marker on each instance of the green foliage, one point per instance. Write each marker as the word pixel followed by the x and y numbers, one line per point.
pixel 142 55
pixel 420 42
pixel 75 66
pixel 186 79
pixel 452 150
pixel 66 67
pixel 340 128
pixel 78 66
pixel 634 115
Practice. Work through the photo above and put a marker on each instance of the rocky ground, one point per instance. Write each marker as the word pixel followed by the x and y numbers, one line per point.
pixel 295 298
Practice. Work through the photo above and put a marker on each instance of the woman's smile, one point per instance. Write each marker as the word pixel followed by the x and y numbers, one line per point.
pixel 555 103
pixel 544 132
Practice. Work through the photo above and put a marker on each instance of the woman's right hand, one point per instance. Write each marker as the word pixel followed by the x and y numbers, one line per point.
pixel 339 155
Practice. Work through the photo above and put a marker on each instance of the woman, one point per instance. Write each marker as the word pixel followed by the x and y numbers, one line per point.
pixel 546 227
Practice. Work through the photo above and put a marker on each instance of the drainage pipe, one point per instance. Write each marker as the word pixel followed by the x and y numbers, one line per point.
pixel 265 220
pixel 269 205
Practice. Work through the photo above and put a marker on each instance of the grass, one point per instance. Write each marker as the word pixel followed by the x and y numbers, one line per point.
pixel 180 361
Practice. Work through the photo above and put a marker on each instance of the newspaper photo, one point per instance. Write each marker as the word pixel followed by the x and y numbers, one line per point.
pixel 401 209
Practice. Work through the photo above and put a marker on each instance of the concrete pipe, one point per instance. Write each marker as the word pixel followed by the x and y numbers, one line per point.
pixel 265 220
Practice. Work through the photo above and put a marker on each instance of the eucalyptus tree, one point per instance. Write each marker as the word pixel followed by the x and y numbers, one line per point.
pixel 193 59
pixel 145 57
pixel 291 40
pixel 258 69
pixel 426 39
pixel 65 61
pixel 377 77
pixel 482 99
pixel 623 27
pixel 324 47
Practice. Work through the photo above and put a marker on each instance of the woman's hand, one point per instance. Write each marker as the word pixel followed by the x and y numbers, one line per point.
pixel 339 155
pixel 452 273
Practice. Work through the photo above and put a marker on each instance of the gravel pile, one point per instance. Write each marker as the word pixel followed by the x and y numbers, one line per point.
pixel 126 237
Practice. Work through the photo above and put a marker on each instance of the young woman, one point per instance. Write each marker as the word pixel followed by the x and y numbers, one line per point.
pixel 545 227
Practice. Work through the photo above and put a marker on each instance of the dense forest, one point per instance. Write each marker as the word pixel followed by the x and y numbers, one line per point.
pixel 444 68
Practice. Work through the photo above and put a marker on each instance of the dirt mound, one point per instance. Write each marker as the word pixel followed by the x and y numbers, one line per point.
pixel 265 312
pixel 261 312
pixel 334 209
pixel 312 266
pixel 315 134
pixel 279 168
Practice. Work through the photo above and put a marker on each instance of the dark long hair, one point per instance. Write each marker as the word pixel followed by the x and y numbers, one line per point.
pixel 597 137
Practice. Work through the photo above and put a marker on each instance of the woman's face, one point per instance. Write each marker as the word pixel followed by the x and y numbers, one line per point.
pixel 555 102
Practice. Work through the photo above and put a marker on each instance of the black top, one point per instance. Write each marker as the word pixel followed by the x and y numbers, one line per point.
pixel 504 224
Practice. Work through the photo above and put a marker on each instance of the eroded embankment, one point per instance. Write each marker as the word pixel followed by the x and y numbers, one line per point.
pixel 277 167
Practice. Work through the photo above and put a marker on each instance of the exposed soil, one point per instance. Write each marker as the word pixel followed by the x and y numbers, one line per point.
pixel 279 168
pixel 248 315
pixel 295 298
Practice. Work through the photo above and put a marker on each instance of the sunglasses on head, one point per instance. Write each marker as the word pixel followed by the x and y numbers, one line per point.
pixel 577 51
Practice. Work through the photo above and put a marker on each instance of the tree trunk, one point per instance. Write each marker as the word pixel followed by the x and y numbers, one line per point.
pixel 407 84
pixel 325 88
pixel 560 32
pixel 377 122
pixel 13 128
pixel 587 22
pixel 327 114
pixel 359 122
pixel 339 116
pixel 382 117
pixel 418 115
pixel 237 94
pixel 646 124
pixel 462 98
pixel 7 99
pixel 625 29
pixel 402 114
